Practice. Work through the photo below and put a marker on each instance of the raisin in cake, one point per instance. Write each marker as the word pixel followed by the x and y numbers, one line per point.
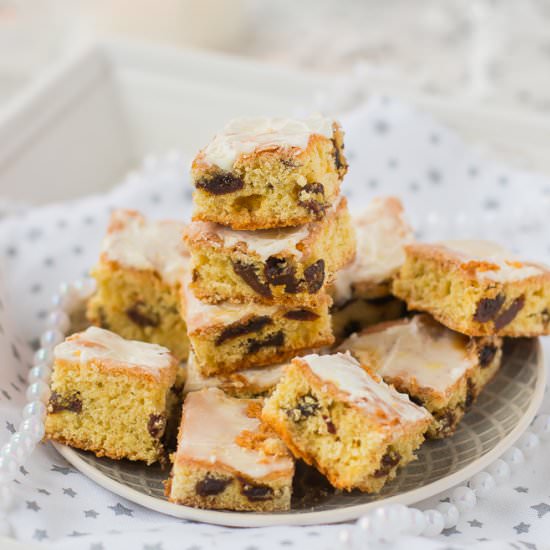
pixel 289 266
pixel 440 369
pixel 260 173
pixel 361 290
pixel 349 424
pixel 477 288
pixel 228 337
pixel 110 395
pixel 227 458
pixel 138 281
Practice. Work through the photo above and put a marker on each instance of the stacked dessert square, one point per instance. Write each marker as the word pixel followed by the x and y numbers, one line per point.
pixel 274 328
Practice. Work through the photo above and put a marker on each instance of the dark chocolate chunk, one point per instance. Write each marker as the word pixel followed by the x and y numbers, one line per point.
pixel 276 339
pixel 139 315
pixel 301 315
pixel 248 273
pixel 306 406
pixel 255 492
pixel 509 314
pixel 58 402
pixel 381 300
pixel 486 354
pixel 387 462
pixel 487 308
pixel 278 271
pixel 290 162
pixel 210 486
pixel 315 276
pixel 331 428
pixel 156 425
pixel 351 327
pixel 316 205
pixel 220 183
pixel 234 330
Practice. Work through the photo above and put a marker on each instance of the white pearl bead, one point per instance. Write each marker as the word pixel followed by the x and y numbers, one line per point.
pixel 5 528
pixel 8 468
pixel 541 426
pixel 513 457
pixel 39 372
pixel 18 447
pixel 6 498
pixel 434 523
pixel 499 470
pixel 463 498
pixel 38 390
pixel 59 320
pixel 418 522
pixel 529 443
pixel 449 512
pixel 34 427
pixel 85 287
pixel 400 516
pixel 34 408
pixel 43 355
pixel 50 338
pixel 482 484
pixel 23 440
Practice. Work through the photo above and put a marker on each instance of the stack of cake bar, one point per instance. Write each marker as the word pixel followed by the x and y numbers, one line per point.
pixel 256 335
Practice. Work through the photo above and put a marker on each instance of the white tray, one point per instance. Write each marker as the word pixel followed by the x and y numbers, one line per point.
pixel 82 125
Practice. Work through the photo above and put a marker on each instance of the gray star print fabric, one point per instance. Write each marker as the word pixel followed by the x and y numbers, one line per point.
pixel 448 189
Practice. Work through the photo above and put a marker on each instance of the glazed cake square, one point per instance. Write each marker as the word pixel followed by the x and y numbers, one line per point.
pixel 138 281
pixel 361 290
pixel 355 429
pixel 289 266
pixel 110 395
pixel 440 369
pixel 228 337
pixel 262 173
pixel 246 383
pixel 227 459
pixel 477 288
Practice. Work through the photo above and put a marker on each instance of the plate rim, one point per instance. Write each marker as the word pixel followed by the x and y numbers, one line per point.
pixel 338 515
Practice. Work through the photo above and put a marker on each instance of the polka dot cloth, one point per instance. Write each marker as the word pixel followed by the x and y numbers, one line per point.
pixel 448 189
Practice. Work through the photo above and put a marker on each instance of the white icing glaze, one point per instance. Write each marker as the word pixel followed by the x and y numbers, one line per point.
pixel 211 424
pixel 200 314
pixel 97 344
pixel 376 398
pixel 507 266
pixel 381 235
pixel 264 242
pixel 245 135
pixel 261 378
pixel 419 352
pixel 149 245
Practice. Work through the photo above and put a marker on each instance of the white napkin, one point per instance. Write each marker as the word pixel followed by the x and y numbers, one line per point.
pixel 448 189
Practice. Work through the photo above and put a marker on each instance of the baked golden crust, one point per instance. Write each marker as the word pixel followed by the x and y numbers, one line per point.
pixel 237 273
pixel 460 294
pixel 273 186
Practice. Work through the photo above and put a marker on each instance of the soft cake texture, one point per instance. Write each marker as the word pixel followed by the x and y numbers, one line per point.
pixel 263 173
pixel 138 281
pixel 227 459
pixel 477 288
pixel 110 395
pixel 246 383
pixel 285 266
pixel 361 290
pixel 347 423
pixel 229 337
pixel 442 370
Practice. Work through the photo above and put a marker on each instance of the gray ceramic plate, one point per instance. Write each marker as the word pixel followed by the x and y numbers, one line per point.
pixel 499 417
